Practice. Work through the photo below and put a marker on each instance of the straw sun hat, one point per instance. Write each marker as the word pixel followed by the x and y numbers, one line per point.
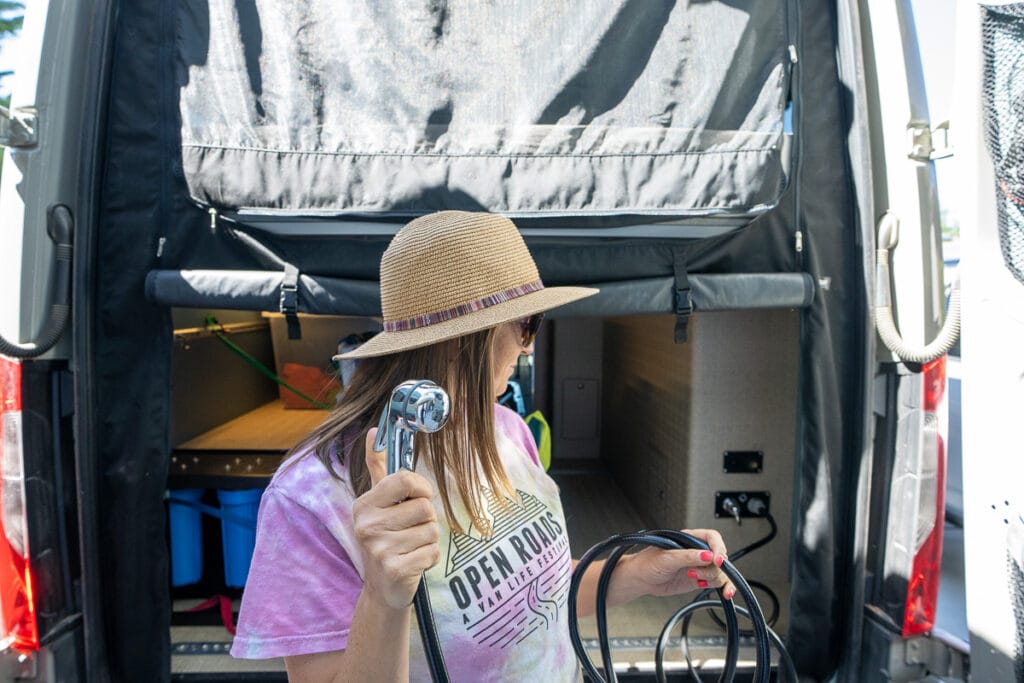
pixel 454 272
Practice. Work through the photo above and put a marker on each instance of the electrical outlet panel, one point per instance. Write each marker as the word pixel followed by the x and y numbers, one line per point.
pixel 740 504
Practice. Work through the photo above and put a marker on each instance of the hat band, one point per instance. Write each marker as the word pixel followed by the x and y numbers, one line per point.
pixel 462 309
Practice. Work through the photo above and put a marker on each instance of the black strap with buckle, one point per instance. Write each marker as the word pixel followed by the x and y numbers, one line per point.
pixel 684 302
pixel 290 300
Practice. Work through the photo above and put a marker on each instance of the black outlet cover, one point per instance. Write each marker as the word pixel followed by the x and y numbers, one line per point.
pixel 743 462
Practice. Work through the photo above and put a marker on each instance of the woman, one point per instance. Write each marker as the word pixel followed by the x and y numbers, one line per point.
pixel 341 545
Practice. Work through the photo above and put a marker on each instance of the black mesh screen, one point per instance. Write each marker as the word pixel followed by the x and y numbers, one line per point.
pixel 1003 44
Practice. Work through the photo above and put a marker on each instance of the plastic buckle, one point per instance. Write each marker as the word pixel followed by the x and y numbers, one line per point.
pixel 289 302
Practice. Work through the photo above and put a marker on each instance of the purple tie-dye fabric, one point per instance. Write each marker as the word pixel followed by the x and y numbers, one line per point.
pixel 500 603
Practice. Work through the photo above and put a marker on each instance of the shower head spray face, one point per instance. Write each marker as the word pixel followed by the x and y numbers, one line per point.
pixel 421 406
pixel 414 406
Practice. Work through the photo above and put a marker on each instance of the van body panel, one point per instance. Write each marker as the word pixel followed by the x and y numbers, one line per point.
pixel 781 358
pixel 903 184
pixel 992 386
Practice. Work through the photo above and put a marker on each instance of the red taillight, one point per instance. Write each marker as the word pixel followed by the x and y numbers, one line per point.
pixel 18 628
pixel 923 584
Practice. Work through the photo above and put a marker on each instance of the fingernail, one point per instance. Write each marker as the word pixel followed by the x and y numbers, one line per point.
pixel 719 559
pixel 706 555
pixel 691 573
pixel 729 592
pixel 701 583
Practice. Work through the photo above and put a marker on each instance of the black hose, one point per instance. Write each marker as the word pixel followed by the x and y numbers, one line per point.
pixel 600 613
pixel 745 550
pixel 774 529
pixel 687 612
pixel 687 616
pixel 684 643
pixel 668 540
pixel 428 633
pixel 763 636
pixel 60 225
pixel 762 645
pixel 771 618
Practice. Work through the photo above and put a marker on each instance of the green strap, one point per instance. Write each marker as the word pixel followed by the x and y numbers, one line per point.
pixel 216 329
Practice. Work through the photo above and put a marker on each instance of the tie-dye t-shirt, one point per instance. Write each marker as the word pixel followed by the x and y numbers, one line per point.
pixel 500 603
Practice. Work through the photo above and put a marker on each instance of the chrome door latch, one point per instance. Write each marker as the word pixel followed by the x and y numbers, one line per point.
pixel 925 143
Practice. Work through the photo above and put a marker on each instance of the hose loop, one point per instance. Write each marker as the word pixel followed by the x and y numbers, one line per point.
pixel 885 323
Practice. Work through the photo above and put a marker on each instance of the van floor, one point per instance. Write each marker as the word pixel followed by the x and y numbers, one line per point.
pixel 203 648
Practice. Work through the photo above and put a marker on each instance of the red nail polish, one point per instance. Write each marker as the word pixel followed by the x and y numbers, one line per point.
pixel 719 560
pixel 706 555
pixel 701 583
pixel 691 573
pixel 729 593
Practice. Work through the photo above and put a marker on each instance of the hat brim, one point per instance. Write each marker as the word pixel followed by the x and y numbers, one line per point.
pixel 385 343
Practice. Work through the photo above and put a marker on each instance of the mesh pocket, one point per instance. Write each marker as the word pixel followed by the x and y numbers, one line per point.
pixel 1003 44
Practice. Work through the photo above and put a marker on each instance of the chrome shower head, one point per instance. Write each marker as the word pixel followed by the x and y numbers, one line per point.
pixel 414 406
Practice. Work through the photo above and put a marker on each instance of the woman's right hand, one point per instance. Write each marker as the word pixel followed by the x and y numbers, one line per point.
pixel 396 528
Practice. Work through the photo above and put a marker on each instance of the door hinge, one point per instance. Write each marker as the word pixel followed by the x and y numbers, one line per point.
pixel 926 143
pixel 18 127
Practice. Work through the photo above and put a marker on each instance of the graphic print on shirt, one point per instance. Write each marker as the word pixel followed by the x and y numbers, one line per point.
pixel 515 582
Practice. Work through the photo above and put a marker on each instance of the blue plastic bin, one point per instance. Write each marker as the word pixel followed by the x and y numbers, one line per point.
pixel 238 531
pixel 186 538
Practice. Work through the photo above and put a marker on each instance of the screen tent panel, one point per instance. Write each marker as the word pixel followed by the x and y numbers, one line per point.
pixel 318 107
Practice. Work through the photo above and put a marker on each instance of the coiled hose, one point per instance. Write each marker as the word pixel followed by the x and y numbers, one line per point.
pixel 667 540
pixel 702 602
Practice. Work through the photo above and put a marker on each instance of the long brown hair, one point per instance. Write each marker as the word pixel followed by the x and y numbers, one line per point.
pixel 465 448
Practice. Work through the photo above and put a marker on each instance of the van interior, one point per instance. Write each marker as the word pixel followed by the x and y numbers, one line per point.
pixel 645 433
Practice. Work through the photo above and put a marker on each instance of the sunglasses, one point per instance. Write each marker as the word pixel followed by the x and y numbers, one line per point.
pixel 529 327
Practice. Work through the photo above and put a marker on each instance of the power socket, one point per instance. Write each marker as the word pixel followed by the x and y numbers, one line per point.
pixel 740 504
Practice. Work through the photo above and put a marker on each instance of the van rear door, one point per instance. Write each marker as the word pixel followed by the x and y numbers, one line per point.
pixel 901 487
pixel 47 197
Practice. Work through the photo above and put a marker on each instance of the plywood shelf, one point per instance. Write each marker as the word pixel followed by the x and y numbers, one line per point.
pixel 271 427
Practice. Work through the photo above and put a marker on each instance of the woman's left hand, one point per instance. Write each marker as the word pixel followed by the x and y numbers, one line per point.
pixel 654 571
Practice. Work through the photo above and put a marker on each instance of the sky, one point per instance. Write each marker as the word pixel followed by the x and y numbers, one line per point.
pixel 935 24
pixel 6 61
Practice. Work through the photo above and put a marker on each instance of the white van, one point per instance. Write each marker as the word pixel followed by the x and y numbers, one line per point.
pixel 195 197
